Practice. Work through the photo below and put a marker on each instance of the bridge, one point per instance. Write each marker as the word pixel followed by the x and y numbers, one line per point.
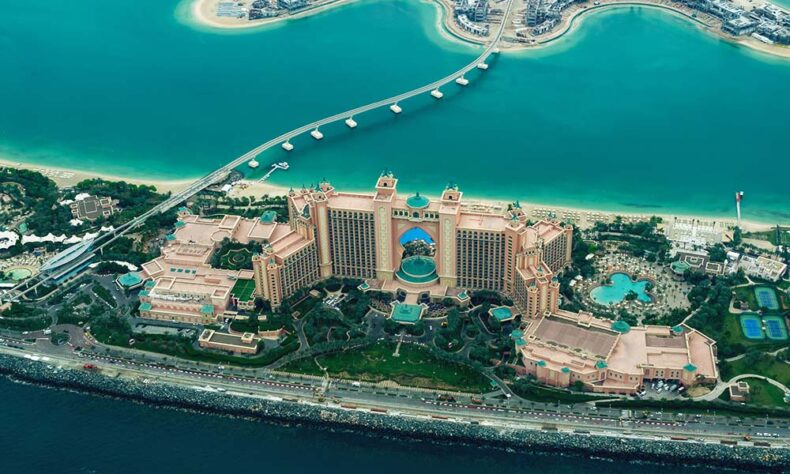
pixel 283 140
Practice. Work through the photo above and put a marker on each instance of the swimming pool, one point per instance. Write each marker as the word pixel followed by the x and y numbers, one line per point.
pixel 615 292
pixel 752 326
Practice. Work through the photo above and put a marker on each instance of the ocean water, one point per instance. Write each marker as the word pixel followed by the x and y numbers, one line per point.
pixel 636 110
pixel 43 430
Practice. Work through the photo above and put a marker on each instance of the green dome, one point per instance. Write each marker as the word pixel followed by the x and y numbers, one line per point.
pixel 130 279
pixel 621 327
pixel 417 201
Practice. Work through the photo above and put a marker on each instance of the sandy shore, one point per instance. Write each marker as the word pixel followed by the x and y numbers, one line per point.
pixel 65 178
pixel 584 217
pixel 204 12
pixel 572 20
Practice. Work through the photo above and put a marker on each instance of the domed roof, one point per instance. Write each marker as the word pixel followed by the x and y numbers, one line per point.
pixel 417 201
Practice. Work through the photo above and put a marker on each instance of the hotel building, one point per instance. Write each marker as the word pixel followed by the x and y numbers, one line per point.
pixel 561 348
pixel 360 236
pixel 181 284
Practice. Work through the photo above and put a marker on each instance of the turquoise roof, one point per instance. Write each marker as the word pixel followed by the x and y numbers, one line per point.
pixel 150 284
pixel 565 370
pixel 521 342
pixel 406 313
pixel 516 333
pixel 145 306
pixel 268 217
pixel 417 201
pixel 677 329
pixel 130 279
pixel 364 286
pixel 690 367
pixel 621 327
pixel 170 237
pixel 601 364
pixel 180 224
pixel 207 309
pixel 541 363
pixel 502 313
pixel 417 269
pixel 143 293
pixel 463 296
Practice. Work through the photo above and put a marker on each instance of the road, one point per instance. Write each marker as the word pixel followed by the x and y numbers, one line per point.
pixel 415 402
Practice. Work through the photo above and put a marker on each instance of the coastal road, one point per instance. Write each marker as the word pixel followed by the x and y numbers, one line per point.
pixel 413 403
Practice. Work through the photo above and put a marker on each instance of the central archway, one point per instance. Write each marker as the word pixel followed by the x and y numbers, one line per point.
pixel 417 266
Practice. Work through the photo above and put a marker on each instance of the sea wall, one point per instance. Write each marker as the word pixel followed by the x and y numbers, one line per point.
pixel 521 440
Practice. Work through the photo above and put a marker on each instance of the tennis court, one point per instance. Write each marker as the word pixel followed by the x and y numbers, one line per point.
pixel 752 326
pixel 766 297
pixel 775 328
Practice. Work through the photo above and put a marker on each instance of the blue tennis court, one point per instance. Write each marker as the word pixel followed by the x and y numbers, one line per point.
pixel 775 328
pixel 752 326
pixel 766 297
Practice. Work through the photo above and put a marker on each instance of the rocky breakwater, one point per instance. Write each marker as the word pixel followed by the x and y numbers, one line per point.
pixel 759 459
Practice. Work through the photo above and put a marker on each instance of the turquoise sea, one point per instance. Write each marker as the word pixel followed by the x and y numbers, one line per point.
pixel 636 110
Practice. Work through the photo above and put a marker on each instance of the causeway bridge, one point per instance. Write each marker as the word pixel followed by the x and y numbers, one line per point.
pixel 434 88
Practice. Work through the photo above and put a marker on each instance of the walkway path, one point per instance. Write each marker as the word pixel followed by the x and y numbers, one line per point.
pixel 720 388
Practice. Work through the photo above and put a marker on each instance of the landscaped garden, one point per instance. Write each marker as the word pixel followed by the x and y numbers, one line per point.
pixel 413 365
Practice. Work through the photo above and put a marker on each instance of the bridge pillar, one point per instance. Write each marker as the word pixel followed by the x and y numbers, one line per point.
pixel 437 94
pixel 395 108
pixel 316 134
pixel 462 81
pixel 482 66
pixel 351 123
pixel 287 146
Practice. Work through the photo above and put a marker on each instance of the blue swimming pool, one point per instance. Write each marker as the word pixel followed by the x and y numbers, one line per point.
pixel 616 291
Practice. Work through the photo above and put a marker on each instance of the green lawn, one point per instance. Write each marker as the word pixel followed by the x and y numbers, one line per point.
pixel 767 366
pixel 415 366
pixel 765 394
pixel 540 393
pixel 243 289
pixel 236 259
pixel 731 335
pixel 746 293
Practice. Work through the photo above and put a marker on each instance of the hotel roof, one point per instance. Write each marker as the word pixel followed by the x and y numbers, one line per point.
pixel 564 333
pixel 351 202
pixel 489 222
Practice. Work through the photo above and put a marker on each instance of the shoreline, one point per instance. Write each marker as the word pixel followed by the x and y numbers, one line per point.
pixel 509 437
pixel 65 177
pixel 574 21
pixel 202 14
pixel 257 189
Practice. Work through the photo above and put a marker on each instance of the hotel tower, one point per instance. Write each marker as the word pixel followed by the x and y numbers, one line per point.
pixel 476 247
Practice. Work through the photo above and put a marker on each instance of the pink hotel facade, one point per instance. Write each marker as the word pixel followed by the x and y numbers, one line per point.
pixel 358 236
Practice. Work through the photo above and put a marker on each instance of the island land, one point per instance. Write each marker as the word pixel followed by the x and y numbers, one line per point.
pixel 528 25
